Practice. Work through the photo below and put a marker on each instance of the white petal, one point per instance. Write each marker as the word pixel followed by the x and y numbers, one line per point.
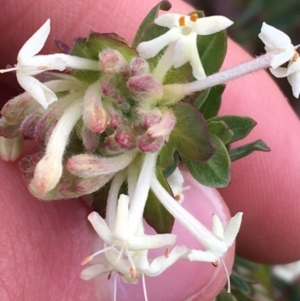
pixel 294 80
pixel 209 25
pixel 274 38
pixel 151 48
pixel 161 263
pixel 168 20
pixel 282 58
pixel 232 229
pixel 36 89
pixel 35 43
pixel 146 242
pixel 94 271
pixel 279 72
pixel 182 49
pixel 101 227
pixel 206 256
pixel 217 227
pixel 121 224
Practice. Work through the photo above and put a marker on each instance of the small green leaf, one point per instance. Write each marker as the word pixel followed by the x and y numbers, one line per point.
pixel 201 97
pixel 212 104
pixel 155 213
pixel 224 296
pixel 240 296
pixel 239 283
pixel 216 171
pixel 147 23
pixel 190 136
pixel 220 129
pixel 241 126
pixel 168 171
pixel 247 149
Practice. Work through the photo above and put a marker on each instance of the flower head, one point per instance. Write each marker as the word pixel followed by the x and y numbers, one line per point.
pixel 277 42
pixel 182 38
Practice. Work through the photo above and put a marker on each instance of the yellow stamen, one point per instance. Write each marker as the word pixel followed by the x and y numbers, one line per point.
pixel 167 253
pixel 215 264
pixel 177 197
pixel 295 57
pixel 86 260
pixel 182 21
pixel 132 272
pixel 194 17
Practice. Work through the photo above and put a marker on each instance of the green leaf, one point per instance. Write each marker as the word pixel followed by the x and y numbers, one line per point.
pixel 155 213
pixel 201 97
pixel 240 296
pixel 148 22
pixel 224 296
pixel 212 50
pixel 168 171
pixel 190 136
pixel 241 126
pixel 216 171
pixel 212 104
pixel 220 129
pixel 247 149
pixel 239 283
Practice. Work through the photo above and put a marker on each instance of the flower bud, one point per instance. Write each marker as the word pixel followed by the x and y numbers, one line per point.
pixel 126 139
pixel 145 87
pixel 90 139
pixel 111 61
pixel 7 130
pixel 148 144
pixel 27 128
pixel 86 166
pixel 10 149
pixel 95 116
pixel 164 127
pixel 139 66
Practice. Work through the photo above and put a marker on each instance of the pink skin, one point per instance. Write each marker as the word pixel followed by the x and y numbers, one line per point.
pixel 43 243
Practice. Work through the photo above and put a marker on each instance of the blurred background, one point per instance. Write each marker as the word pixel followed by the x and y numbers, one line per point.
pixel 248 16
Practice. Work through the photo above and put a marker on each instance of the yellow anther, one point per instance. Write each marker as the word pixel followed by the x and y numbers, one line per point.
pixel 194 17
pixel 132 272
pixel 167 253
pixel 295 57
pixel 215 264
pixel 182 21
pixel 86 260
pixel 177 197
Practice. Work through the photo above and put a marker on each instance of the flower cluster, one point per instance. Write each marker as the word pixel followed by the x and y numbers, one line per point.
pixel 110 121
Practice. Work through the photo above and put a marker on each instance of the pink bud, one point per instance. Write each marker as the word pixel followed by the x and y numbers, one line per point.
pixel 164 127
pixel 10 149
pixel 115 119
pixel 27 128
pixel 126 139
pixel 90 139
pixel 90 185
pixel 139 66
pixel 107 86
pixel 28 164
pixel 111 145
pixel 144 87
pixel 95 116
pixel 111 61
pixel 18 108
pixel 148 144
pixel 86 166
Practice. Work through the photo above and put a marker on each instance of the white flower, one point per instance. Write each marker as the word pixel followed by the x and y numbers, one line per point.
pixel 227 236
pixel 182 38
pixel 30 64
pixel 120 237
pixel 293 75
pixel 277 42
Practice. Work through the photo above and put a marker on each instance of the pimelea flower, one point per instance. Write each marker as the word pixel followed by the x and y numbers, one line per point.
pixel 279 43
pixel 182 39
